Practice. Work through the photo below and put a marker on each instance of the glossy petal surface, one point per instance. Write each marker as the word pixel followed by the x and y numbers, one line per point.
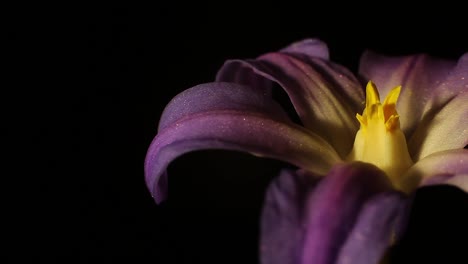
pixel 228 123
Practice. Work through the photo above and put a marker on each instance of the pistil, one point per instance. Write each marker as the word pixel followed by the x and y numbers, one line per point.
pixel 380 140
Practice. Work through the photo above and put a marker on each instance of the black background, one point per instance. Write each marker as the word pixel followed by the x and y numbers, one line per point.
pixel 86 88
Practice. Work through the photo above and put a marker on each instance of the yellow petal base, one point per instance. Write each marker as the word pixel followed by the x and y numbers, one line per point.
pixel 380 140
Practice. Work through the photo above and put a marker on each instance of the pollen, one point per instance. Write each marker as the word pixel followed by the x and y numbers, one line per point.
pixel 380 140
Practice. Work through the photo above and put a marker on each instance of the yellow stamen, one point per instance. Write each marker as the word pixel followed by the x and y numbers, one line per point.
pixel 380 140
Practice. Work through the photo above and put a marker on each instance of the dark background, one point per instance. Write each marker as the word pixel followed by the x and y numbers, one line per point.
pixel 86 88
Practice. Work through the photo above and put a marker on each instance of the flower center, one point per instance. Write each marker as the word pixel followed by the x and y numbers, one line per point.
pixel 380 140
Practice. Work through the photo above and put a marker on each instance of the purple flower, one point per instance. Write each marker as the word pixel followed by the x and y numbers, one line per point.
pixel 358 157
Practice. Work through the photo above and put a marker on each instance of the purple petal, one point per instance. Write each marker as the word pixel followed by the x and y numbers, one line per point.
pixel 459 180
pixel 241 73
pixel 326 96
pixel 281 229
pixel 438 168
pixel 208 117
pixel 238 72
pixel 219 96
pixel 427 83
pixel 351 216
pixel 312 48
pixel 333 208
pixel 374 230
pixel 446 130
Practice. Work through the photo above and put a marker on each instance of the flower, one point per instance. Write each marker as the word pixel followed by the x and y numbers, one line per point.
pixel 366 163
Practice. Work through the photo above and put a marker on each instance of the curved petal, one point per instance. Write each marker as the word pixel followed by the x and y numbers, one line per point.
pixel 209 117
pixel 427 83
pixel 442 166
pixel 326 96
pixel 238 72
pixel 446 130
pixel 332 209
pixel 374 230
pixel 219 96
pixel 281 228
pixel 241 73
pixel 311 48
pixel 459 180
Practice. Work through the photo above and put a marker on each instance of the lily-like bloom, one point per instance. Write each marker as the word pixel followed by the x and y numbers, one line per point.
pixel 358 157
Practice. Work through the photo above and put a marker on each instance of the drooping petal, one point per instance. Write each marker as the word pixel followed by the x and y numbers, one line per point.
pixel 427 83
pixel 326 96
pixel 334 206
pixel 281 221
pixel 219 96
pixel 437 168
pixel 374 230
pixel 445 130
pixel 208 117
